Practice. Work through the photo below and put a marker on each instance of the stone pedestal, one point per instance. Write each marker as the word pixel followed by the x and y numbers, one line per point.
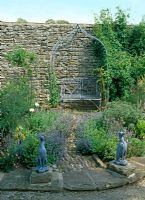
pixel 124 170
pixel 50 180
pixel 38 178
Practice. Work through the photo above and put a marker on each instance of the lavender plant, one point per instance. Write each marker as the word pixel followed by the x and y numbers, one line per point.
pixel 55 145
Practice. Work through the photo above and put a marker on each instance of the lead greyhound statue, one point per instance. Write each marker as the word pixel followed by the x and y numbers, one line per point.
pixel 42 157
pixel 121 151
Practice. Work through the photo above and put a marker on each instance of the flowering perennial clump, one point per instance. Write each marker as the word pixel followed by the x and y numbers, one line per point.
pixel 20 135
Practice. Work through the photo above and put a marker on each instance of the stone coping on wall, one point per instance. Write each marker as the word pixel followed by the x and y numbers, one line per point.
pixel 45 24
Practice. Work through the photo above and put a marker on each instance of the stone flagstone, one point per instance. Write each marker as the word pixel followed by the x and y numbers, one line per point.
pixel 98 179
pixel 78 180
pixel 124 170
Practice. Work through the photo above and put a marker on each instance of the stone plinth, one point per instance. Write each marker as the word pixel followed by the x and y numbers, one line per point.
pixel 37 178
pixel 124 170
pixel 50 180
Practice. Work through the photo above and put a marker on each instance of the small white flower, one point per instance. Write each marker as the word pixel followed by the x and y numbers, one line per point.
pixel 36 104
pixel 48 97
pixel 31 109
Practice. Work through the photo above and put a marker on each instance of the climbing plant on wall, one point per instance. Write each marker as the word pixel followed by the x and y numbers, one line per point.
pixel 20 57
pixel 125 64
pixel 53 87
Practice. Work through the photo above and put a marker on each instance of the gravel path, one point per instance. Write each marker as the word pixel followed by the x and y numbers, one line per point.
pixel 131 192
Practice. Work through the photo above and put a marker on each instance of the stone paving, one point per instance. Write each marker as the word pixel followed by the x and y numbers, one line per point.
pixel 73 180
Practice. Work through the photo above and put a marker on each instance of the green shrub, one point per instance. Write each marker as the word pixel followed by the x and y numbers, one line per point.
pixel 24 150
pixel 110 149
pixel 53 126
pixel 124 55
pixel 99 135
pixel 103 144
pixel 40 121
pixel 136 147
pixel 121 112
pixel 28 150
pixel 136 41
pixel 8 160
pixel 21 58
pixel 138 94
pixel 16 99
pixel 140 129
pixel 47 121
pixel 96 140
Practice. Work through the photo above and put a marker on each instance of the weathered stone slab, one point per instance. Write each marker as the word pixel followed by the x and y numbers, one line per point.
pixel 105 180
pixel 124 170
pixel 57 181
pixel 37 178
pixel 17 179
pixel 139 162
pixel 78 180
pixel 98 161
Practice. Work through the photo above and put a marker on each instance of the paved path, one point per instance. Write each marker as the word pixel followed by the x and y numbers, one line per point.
pixel 131 192
pixel 80 180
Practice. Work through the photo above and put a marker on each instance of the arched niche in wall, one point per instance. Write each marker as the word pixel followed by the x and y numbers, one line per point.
pixel 74 60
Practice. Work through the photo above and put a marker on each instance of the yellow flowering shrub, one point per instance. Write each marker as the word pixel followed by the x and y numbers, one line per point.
pixel 20 134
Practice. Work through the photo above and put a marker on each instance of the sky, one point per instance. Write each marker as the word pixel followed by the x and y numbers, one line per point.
pixel 74 11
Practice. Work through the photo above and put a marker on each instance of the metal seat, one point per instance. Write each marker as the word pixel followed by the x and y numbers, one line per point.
pixel 75 89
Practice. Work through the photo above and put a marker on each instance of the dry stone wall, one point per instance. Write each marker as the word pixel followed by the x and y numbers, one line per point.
pixel 72 58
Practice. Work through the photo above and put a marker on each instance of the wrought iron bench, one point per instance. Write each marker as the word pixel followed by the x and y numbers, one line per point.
pixel 75 89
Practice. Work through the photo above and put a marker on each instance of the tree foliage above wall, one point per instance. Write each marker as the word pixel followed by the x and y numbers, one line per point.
pixel 21 20
pixel 125 45
pixel 60 21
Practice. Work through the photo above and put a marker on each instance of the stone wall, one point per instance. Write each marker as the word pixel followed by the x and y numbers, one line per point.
pixel 68 50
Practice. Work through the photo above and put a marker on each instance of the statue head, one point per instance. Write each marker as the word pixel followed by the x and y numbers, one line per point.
pixel 121 134
pixel 42 138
